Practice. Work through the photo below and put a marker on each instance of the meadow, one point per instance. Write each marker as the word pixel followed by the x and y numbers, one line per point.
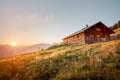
pixel 98 61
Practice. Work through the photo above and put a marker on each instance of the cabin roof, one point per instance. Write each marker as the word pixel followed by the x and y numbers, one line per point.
pixel 86 28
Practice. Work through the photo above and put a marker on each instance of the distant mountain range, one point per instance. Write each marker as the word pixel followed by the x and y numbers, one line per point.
pixel 8 50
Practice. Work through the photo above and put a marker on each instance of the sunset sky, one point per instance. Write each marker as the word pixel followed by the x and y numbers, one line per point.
pixel 30 22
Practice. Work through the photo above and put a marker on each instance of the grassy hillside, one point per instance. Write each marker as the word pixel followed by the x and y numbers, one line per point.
pixel 99 61
pixel 117 31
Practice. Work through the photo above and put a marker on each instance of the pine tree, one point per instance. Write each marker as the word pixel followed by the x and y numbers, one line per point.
pixel 118 23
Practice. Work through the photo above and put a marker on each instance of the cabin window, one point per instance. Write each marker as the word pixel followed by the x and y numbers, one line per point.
pixel 97 29
pixel 87 38
pixel 92 36
pixel 98 38
pixel 106 36
pixel 103 39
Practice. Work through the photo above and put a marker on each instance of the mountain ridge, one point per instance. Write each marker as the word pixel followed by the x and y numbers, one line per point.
pixel 8 50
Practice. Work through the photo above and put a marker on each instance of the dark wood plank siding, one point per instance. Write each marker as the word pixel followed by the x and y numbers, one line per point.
pixel 97 34
pixel 76 39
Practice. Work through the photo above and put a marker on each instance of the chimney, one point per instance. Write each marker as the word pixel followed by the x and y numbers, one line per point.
pixel 86 25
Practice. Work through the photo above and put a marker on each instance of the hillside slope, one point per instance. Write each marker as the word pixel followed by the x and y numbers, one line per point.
pixel 99 61
pixel 117 31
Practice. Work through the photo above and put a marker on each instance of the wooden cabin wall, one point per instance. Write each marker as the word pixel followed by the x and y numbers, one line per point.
pixel 76 39
pixel 97 34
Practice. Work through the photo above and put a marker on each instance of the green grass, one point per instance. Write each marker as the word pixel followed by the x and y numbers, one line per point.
pixel 99 61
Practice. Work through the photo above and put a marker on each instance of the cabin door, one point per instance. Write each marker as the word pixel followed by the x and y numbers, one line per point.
pixel 98 38
pixel 92 39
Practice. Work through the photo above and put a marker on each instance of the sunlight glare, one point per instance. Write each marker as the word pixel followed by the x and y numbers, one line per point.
pixel 13 43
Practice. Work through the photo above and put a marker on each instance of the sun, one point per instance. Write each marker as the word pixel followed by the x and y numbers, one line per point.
pixel 13 43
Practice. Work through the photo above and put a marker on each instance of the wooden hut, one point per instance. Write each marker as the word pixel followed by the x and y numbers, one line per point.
pixel 90 34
